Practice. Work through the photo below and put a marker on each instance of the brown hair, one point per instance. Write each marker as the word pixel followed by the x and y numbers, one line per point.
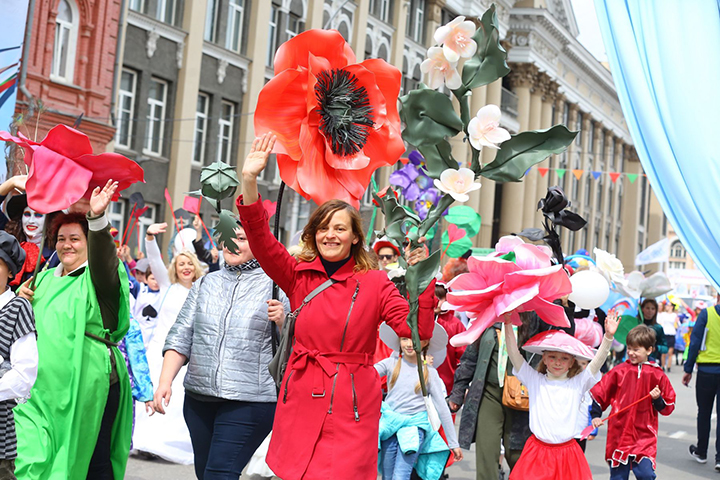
pixel 641 336
pixel 172 269
pixel 574 368
pixel 320 218
pixel 453 268
pixel 652 320
pixel 67 219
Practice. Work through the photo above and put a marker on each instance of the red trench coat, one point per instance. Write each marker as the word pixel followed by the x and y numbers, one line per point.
pixel 328 411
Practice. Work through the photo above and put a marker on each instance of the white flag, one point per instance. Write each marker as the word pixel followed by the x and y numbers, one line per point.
pixel 656 253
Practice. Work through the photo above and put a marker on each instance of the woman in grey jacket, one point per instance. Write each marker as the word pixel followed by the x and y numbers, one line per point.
pixel 223 333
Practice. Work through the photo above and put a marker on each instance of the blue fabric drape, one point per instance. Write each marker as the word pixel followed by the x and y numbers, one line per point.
pixel 665 59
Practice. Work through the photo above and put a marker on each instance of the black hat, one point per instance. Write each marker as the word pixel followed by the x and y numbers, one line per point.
pixel 14 205
pixel 11 253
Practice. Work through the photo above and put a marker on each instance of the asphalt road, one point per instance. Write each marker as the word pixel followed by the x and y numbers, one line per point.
pixel 677 432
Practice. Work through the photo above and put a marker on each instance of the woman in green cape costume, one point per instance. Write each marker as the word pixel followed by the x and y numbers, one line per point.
pixel 82 311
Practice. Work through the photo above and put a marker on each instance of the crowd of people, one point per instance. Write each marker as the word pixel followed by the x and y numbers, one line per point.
pixel 104 355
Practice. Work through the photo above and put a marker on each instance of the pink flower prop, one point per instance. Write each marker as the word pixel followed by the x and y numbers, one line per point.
pixel 456 39
pixel 62 169
pixel 485 131
pixel 458 183
pixel 440 70
pixel 588 331
pixel 495 286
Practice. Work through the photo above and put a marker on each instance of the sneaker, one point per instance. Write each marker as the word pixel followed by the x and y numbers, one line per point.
pixel 717 466
pixel 699 458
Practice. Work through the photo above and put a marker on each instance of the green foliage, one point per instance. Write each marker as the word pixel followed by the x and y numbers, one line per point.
pixel 438 158
pixel 225 231
pixel 466 218
pixel 429 117
pixel 490 61
pixel 219 180
pixel 457 248
pixel 526 149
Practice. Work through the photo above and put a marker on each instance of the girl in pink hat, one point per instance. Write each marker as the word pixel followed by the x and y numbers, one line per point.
pixel 556 390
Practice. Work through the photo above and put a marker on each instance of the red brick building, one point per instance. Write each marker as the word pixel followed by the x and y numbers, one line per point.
pixel 70 65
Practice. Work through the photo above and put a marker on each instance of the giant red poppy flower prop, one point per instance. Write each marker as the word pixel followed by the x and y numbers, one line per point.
pixel 496 286
pixel 336 120
pixel 62 169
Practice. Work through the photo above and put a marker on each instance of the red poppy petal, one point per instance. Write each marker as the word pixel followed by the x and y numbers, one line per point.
pixel 355 182
pixel 281 108
pixel 67 141
pixel 111 166
pixel 366 79
pixel 348 162
pixel 388 79
pixel 322 43
pixel 55 182
pixel 21 140
pixel 288 172
pixel 312 176
pixel 384 146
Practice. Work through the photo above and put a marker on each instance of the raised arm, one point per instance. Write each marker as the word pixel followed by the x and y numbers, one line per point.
pixel 103 262
pixel 611 325
pixel 511 344
pixel 157 267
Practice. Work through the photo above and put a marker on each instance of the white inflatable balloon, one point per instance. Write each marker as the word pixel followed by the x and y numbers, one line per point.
pixel 590 289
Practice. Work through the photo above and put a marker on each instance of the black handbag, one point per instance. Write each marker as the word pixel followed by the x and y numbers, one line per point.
pixel 278 364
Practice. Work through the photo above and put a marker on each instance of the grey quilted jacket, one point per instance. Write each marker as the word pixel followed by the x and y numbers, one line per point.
pixel 223 330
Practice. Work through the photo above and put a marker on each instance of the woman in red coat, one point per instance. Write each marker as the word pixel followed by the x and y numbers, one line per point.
pixel 327 418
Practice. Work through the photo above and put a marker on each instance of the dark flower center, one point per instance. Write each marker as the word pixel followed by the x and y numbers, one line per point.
pixel 345 111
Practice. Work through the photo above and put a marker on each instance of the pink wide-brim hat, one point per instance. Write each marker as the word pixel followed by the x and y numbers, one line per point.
pixel 558 341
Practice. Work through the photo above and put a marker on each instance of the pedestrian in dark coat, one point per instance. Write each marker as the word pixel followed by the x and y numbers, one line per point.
pixel 327 419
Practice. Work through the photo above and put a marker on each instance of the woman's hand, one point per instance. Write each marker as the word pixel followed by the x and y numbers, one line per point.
pixel 257 159
pixel 13 183
pixel 611 324
pixel 417 255
pixel 162 398
pixel 457 454
pixel 100 199
pixel 155 229
pixel 25 292
pixel 276 312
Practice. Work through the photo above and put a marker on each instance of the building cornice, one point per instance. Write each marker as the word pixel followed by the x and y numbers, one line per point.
pixel 164 30
pixel 220 53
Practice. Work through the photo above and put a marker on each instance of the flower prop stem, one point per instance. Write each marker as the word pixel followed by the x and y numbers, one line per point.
pixel 276 289
pixel 432 218
pixel 464 101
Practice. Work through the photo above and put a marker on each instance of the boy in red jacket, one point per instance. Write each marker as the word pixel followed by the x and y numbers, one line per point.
pixel 632 435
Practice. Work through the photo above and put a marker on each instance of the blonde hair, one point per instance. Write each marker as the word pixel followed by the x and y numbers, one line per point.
pixel 396 371
pixel 320 218
pixel 172 269
pixel 574 369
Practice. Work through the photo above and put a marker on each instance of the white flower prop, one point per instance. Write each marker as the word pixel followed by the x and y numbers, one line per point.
pixel 440 70
pixel 458 183
pixel 485 131
pixel 456 39
pixel 610 267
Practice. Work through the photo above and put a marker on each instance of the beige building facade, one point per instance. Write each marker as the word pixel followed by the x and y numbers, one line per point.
pixel 554 79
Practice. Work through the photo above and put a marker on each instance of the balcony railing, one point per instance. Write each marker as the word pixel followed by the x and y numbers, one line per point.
pixel 509 102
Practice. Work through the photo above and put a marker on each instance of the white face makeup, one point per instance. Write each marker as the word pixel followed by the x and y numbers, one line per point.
pixel 32 224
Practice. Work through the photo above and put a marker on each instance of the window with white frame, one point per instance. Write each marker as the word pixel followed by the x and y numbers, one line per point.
pixel 137 5
pixel 155 130
pixel 166 11
pixel 293 25
pixel 211 18
pixel 225 124
pixel 418 20
pixel 66 32
pixel 201 118
pixel 384 13
pixel 677 250
pixel 116 217
pixel 272 36
pixel 233 41
pixel 126 108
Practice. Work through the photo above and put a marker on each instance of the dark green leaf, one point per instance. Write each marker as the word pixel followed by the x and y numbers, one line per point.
pixel 225 231
pixel 456 248
pixel 532 234
pixel 466 218
pixel 526 149
pixel 219 180
pixel 419 276
pixel 429 117
pixel 438 158
pixel 490 61
pixel 198 193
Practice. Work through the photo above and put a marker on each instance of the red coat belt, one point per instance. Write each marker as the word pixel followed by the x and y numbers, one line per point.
pixel 327 362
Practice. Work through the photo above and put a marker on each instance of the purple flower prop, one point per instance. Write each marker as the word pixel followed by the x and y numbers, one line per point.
pixel 415 184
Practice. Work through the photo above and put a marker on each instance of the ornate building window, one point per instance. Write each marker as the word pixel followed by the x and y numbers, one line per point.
pixel 211 18
pixel 66 31
pixel 157 105
pixel 201 118
pixel 137 5
pixel 677 250
pixel 233 41
pixel 225 134
pixel 166 10
pixel 272 36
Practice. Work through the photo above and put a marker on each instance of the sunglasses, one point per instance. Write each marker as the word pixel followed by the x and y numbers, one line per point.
pixel 386 257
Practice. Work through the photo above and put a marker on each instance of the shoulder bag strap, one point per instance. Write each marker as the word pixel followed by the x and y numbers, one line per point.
pixel 326 284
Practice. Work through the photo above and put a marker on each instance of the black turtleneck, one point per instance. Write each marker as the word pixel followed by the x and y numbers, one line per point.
pixel 332 267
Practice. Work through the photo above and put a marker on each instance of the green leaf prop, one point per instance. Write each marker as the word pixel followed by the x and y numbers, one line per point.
pixel 438 158
pixel 419 276
pixel 456 248
pixel 211 201
pixel 429 117
pixel 219 180
pixel 526 149
pixel 466 218
pixel 225 231
pixel 490 61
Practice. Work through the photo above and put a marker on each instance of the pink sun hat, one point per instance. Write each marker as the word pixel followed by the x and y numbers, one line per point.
pixel 558 341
